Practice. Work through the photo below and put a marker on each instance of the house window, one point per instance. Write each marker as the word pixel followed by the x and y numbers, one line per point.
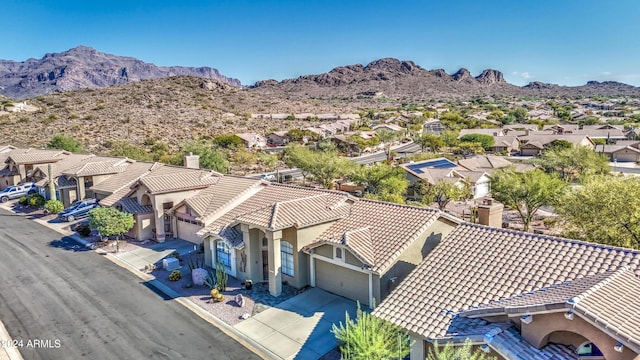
pixel 286 255
pixel 338 253
pixel 223 253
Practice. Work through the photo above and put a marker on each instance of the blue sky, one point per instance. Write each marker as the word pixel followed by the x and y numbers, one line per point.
pixel 566 42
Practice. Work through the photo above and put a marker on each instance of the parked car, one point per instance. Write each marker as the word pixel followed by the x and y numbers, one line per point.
pixel 17 191
pixel 268 177
pixel 78 210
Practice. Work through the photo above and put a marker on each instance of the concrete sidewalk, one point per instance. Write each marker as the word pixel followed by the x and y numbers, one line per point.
pixel 138 258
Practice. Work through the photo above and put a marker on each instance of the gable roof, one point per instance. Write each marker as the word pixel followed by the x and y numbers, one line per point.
pixel 35 156
pixel 484 162
pixel 58 167
pixel 98 165
pixel 119 185
pixel 169 179
pixel 607 300
pixel 378 232
pixel 476 264
pixel 543 139
pixel 300 213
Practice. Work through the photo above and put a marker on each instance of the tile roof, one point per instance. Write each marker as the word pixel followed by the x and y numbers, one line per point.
pixel 544 138
pixel 484 163
pixel 119 185
pixel 98 165
pixel 35 156
pixel 227 191
pixel 476 264
pixel 548 298
pixel 614 306
pixel 269 194
pixel 131 205
pixel 301 212
pixel 510 345
pixel 58 167
pixel 379 232
pixel 179 179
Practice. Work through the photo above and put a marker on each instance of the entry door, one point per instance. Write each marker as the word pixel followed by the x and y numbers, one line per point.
pixel 265 264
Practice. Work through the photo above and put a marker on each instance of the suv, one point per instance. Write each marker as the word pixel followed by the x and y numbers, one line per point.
pixel 78 210
pixel 17 191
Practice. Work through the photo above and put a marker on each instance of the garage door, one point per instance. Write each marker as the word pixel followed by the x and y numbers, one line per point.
pixel 342 281
pixel 624 156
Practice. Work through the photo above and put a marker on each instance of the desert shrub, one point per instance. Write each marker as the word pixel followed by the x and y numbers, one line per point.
pixel 175 275
pixel 35 200
pixel 23 200
pixel 54 206
pixel 221 276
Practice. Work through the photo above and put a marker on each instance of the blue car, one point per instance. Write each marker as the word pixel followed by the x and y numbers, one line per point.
pixel 78 210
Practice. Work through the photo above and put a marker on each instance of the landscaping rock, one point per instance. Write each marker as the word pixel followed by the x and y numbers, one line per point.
pixel 198 276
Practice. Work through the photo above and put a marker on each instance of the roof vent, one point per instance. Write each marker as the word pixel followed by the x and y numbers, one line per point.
pixel 618 347
pixel 568 315
pixel 526 319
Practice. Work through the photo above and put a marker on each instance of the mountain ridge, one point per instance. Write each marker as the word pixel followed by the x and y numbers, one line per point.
pixel 85 67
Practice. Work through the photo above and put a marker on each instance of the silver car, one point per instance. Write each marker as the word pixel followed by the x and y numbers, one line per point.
pixel 17 191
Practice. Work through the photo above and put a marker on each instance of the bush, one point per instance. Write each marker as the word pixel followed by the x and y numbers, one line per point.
pixel 175 275
pixel 35 200
pixel 54 206
pixel 23 200
pixel 369 337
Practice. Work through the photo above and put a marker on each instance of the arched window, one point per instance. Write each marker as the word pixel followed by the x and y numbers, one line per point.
pixel 223 253
pixel 286 256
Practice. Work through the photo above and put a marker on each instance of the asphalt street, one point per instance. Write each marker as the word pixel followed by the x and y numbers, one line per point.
pixel 62 301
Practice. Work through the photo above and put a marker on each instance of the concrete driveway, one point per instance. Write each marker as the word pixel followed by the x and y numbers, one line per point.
pixel 299 328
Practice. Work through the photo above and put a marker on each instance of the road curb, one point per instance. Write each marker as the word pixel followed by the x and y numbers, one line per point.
pixel 151 280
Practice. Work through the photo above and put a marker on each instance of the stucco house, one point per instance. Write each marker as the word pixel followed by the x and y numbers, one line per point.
pixel 521 296
pixel 620 153
pixel 19 164
pixel 535 143
pixel 278 138
pixel 274 233
pixel 253 140
pixel 435 170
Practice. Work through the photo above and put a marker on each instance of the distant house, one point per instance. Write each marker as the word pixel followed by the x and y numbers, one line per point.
pixel 388 126
pixel 277 138
pixel 253 140
pixel 534 144
pixel 433 126
pixel 620 153
pixel 490 132
pixel 435 170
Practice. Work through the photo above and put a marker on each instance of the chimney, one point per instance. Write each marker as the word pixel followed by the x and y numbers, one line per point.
pixel 490 213
pixel 192 161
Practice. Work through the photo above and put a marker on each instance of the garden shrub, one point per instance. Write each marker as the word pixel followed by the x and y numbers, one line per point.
pixel 35 200
pixel 175 275
pixel 23 200
pixel 54 206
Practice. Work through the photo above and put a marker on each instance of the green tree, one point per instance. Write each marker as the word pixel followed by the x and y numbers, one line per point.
pixel 431 141
pixel 110 222
pixel 324 166
pixel 441 193
pixel 570 163
pixel 370 338
pixel 382 181
pixel 450 137
pixel 64 142
pixel 603 210
pixel 298 156
pixel 299 135
pixel 449 352
pixel 469 148
pixel 387 137
pixel 54 206
pixel 242 156
pixel 487 141
pixel 559 145
pixel 268 160
pixel 210 157
pixel 230 141
pixel 525 192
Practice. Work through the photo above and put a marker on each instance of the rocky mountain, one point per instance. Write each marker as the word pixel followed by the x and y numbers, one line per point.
pixel 404 81
pixel 84 67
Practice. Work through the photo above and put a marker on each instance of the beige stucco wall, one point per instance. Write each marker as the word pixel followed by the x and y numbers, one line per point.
pixel 324 250
pixel 545 328
pixel 412 257
pixel 157 200
pixel 188 231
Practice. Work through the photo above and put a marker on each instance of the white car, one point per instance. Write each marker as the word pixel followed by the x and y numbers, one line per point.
pixel 17 191
pixel 268 177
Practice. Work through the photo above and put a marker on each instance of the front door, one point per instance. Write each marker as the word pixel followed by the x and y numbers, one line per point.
pixel 265 265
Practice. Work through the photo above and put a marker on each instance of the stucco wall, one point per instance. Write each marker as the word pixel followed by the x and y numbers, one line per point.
pixel 546 327
pixel 412 257
pixel 187 231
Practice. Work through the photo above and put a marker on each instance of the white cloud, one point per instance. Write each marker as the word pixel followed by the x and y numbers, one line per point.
pixel 525 75
pixel 606 73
